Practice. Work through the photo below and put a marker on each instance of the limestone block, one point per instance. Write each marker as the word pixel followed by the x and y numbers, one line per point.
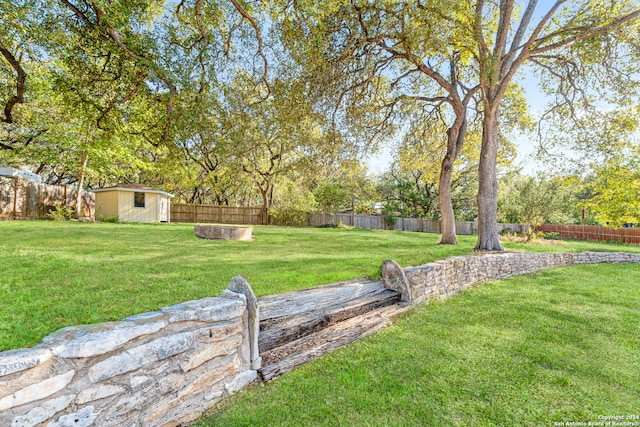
pixel 223 232
pixel 214 309
pixel 219 331
pixel 130 406
pixel 394 278
pixel 241 380
pixel 240 285
pixel 92 340
pixel 98 392
pixel 83 418
pixel 42 412
pixel 37 391
pixel 137 357
pixel 18 360
pixel 211 376
pixel 221 348
pixel 234 295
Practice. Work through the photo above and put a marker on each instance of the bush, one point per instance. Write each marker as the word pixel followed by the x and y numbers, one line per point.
pixel 506 232
pixel 551 236
pixel 61 213
pixel 288 216
pixel 389 216
pixel 111 219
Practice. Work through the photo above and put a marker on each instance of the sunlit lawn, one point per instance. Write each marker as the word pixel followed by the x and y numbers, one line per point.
pixel 559 346
pixel 55 274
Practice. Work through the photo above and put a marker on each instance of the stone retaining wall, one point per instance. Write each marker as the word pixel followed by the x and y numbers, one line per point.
pixel 162 368
pixel 166 368
pixel 444 278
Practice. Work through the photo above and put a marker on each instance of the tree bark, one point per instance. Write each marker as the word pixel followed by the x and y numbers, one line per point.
pixel 455 140
pixel 83 167
pixel 488 239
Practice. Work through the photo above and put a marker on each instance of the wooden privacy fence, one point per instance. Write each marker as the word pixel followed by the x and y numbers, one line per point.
pixel 592 232
pixel 404 224
pixel 22 199
pixel 253 216
pixel 216 214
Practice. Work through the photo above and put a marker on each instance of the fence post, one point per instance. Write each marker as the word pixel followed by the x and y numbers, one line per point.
pixel 15 196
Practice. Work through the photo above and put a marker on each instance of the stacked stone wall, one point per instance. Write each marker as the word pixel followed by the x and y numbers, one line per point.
pixel 166 368
pixel 163 368
pixel 442 279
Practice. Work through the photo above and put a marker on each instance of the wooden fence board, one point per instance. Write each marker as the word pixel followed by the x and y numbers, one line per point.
pixel 252 215
pixel 216 214
pixel 594 233
pixel 22 199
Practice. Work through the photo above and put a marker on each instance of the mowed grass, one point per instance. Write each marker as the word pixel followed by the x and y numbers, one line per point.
pixel 557 346
pixel 55 274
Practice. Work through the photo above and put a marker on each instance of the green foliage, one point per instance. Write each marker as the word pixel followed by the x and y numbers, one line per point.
pixel 411 194
pixel 551 236
pixel 389 215
pixel 61 213
pixel 292 205
pixel 616 189
pixel 534 201
pixel 110 219
pixel 331 197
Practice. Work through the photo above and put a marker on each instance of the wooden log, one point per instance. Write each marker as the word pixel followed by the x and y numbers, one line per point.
pixel 283 359
pixel 288 317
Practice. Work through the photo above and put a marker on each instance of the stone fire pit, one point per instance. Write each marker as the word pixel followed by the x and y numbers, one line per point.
pixel 223 232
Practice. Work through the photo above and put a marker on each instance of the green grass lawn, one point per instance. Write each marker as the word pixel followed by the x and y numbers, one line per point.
pixel 55 274
pixel 557 346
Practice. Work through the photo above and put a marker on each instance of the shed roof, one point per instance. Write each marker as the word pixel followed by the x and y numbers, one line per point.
pixel 133 187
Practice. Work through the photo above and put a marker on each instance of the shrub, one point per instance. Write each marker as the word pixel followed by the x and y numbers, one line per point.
pixel 288 216
pixel 506 231
pixel 389 216
pixel 551 236
pixel 61 213
pixel 111 219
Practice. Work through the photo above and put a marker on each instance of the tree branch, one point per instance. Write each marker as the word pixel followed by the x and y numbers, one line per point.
pixel 18 98
pixel 256 28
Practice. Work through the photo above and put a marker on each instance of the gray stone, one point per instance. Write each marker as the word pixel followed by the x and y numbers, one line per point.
pixel 136 357
pixel 18 360
pixel 223 232
pixel 221 348
pixel 233 295
pixel 395 279
pixel 214 309
pixel 37 391
pixel 98 392
pixel 212 395
pixel 83 418
pixel 241 380
pixel 43 412
pixel 240 285
pixel 92 340
pixel 211 376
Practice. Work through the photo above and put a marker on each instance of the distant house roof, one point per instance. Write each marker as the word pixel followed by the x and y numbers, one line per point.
pixel 133 187
pixel 21 173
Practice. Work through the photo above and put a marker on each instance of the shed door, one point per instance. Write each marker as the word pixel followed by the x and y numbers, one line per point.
pixel 164 210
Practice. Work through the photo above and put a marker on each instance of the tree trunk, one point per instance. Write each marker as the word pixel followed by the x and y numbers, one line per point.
pixel 83 167
pixel 446 205
pixel 488 239
pixel 455 140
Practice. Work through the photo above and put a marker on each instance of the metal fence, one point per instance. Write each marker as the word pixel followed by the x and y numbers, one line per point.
pixel 592 232
pixel 253 215
pixel 22 199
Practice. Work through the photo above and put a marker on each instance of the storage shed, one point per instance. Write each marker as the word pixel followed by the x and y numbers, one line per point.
pixel 133 203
